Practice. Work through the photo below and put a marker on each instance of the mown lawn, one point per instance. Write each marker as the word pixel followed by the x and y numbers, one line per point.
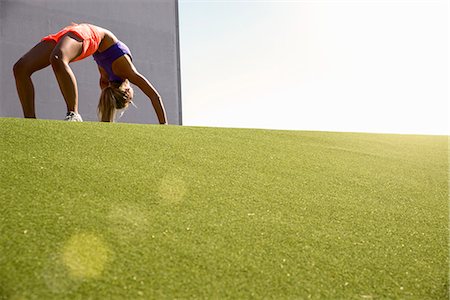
pixel 113 211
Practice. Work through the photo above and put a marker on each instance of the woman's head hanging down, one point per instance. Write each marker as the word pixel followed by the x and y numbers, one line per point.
pixel 76 42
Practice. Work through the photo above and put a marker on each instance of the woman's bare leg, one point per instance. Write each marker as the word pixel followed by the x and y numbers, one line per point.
pixel 34 60
pixel 67 49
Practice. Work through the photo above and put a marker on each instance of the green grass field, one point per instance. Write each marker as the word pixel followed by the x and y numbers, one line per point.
pixel 114 211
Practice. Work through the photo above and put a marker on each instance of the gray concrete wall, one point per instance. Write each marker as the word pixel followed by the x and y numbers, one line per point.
pixel 148 27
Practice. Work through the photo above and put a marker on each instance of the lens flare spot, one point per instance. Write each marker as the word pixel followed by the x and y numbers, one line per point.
pixel 128 221
pixel 56 276
pixel 172 189
pixel 85 255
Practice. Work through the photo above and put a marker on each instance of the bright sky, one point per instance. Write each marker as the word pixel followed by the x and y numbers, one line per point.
pixel 357 66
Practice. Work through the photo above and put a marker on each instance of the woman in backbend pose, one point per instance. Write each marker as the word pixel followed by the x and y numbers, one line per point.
pixel 74 43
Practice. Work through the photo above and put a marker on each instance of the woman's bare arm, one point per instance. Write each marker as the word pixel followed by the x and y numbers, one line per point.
pixel 152 94
pixel 124 68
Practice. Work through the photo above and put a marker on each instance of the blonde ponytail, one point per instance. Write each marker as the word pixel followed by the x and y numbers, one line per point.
pixel 115 96
pixel 106 108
